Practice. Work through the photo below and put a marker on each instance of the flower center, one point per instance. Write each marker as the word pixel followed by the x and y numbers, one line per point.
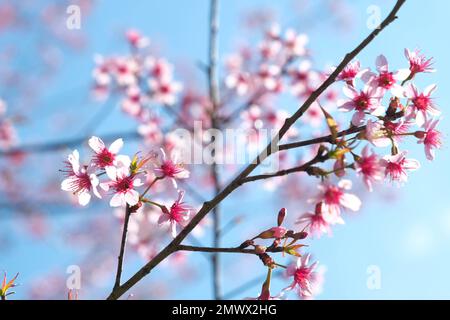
pixel 124 185
pixel 421 102
pixel 104 158
pixel 386 80
pixel 333 195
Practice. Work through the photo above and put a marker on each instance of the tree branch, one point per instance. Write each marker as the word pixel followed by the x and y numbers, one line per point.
pixel 225 250
pixel 209 205
pixel 122 247
pixel 302 168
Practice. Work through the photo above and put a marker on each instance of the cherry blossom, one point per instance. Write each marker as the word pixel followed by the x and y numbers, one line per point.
pixel 335 197
pixel 80 181
pixel 178 214
pixel 367 100
pixel 431 138
pixel 422 104
pixel 136 40
pixel 418 62
pixel 315 222
pixel 397 166
pixel 239 81
pixel 268 74
pixel 107 157
pixel 385 79
pixel 122 184
pixel 304 276
pixel 169 168
pixel 294 43
pixel 164 91
pixel 158 68
pixel 369 167
pixel 350 73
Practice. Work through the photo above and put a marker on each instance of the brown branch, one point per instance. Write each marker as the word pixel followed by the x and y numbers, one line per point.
pixel 209 205
pixel 302 168
pixel 329 138
pixel 122 247
pixel 225 250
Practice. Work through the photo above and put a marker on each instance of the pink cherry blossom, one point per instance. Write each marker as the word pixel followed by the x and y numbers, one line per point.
pixel 125 71
pixel 397 166
pixel 268 75
pixel 385 79
pixel 315 223
pixel 303 78
pixel 431 138
pixel 367 100
pixel 295 44
pixel 422 104
pixel 79 180
pixel 164 91
pixel 178 214
pixel 238 81
pixel 106 157
pixel 335 197
pixel 350 73
pixel 136 40
pixel 269 49
pixel 159 68
pixel 133 102
pixel 304 276
pixel 418 62
pixel 170 168
pixel 122 183
pixel 369 167
pixel 150 130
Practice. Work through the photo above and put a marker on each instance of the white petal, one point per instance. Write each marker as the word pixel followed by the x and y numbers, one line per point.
pixel 117 200
pixel 132 197
pixel 67 183
pixel 350 201
pixel 116 146
pixel 84 198
pixel 96 144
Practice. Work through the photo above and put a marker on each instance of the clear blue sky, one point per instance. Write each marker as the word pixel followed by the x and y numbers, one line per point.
pixel 408 238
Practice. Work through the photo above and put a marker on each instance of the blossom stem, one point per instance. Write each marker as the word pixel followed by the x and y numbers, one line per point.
pixel 150 186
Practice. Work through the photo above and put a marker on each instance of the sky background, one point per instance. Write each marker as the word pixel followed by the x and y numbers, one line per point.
pixel 407 237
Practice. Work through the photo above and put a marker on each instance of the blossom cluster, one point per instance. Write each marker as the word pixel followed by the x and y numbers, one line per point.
pixel 124 178
pixel 406 111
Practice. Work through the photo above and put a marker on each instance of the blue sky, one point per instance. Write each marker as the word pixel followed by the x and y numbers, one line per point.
pixel 408 239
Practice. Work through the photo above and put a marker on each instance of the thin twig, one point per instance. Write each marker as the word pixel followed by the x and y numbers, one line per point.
pixel 122 247
pixel 209 205
pixel 225 250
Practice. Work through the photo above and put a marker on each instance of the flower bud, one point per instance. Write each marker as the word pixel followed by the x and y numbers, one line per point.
pixel 281 216
pixel 420 134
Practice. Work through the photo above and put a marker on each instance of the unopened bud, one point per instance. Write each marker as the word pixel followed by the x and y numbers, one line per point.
pixel 420 134
pixel 281 216
pixel 245 244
